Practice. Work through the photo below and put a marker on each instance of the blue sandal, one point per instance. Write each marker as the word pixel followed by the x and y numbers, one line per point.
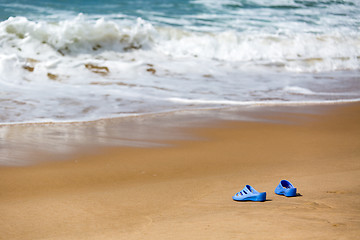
pixel 249 194
pixel 285 188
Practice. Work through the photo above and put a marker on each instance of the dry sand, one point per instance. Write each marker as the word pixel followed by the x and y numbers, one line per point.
pixel 184 191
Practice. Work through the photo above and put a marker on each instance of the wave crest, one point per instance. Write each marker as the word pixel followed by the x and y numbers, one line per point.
pixel 299 52
pixel 79 35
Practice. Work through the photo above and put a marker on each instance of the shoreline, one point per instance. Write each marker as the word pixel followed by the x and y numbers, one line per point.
pixel 184 190
pixel 32 143
pixel 259 104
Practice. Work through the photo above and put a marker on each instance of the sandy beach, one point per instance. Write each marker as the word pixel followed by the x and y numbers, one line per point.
pixel 184 191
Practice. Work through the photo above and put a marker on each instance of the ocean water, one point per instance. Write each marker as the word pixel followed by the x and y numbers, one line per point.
pixel 64 61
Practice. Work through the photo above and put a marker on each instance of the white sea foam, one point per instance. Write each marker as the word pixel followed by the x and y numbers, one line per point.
pixel 81 69
pixel 303 52
pixel 258 103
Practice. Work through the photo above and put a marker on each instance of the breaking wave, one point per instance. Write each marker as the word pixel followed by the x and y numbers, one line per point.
pixel 300 52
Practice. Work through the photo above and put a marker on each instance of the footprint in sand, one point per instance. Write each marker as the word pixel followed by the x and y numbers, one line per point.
pixel 307 206
pixel 316 205
pixel 338 192
pixel 338 224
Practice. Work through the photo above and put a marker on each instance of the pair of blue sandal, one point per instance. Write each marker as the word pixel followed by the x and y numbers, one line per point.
pixel 250 194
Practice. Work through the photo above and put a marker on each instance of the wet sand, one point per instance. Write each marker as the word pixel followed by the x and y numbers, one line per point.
pixel 183 191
